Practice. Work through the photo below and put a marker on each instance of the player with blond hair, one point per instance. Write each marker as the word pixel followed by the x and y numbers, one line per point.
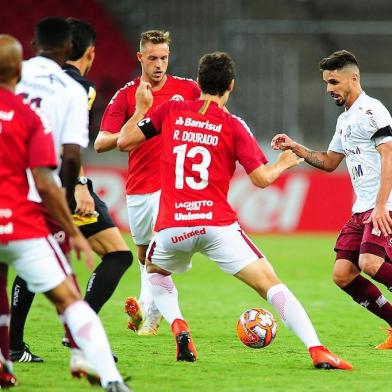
pixel 143 180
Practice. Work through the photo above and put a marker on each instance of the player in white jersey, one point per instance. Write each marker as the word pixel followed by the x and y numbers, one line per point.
pixel 364 137
pixel 63 102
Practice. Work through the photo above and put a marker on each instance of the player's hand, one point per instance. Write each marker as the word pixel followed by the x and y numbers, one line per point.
pixel 143 96
pixel 381 221
pixel 85 205
pixel 289 159
pixel 282 142
pixel 80 245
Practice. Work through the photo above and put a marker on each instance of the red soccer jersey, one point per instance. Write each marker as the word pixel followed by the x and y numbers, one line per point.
pixel 24 143
pixel 143 162
pixel 200 146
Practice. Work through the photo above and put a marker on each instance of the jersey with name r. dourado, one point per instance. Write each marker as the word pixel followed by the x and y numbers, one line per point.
pixel 24 143
pixel 200 146
pixel 359 130
pixel 143 162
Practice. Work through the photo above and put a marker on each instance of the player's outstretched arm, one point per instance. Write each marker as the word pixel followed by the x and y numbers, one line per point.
pixel 53 199
pixel 265 175
pixel 324 160
pixel 131 135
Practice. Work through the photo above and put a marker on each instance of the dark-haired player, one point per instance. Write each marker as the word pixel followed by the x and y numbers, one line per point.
pixel 143 181
pixel 200 146
pixel 364 137
pixel 103 236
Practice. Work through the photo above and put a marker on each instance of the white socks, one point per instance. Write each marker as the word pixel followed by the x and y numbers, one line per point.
pixel 293 314
pixel 165 296
pixel 145 297
pixel 88 333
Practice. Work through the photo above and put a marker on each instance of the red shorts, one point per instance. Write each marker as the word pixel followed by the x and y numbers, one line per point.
pixel 356 237
pixel 58 233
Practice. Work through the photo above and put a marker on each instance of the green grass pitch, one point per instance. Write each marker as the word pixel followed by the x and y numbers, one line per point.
pixel 212 302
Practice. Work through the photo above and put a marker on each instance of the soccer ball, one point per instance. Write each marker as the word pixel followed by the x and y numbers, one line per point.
pixel 256 328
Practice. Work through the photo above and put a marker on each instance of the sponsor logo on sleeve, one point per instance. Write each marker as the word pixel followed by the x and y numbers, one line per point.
pixel 5 213
pixel 7 229
pixel 177 97
pixel 6 116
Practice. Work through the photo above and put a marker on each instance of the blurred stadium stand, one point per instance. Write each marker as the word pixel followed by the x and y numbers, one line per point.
pixel 277 45
pixel 115 60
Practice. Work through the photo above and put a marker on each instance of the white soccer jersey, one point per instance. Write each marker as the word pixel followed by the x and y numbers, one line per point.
pixel 61 99
pixel 353 137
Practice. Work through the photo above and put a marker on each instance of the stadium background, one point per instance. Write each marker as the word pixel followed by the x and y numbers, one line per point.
pixel 276 45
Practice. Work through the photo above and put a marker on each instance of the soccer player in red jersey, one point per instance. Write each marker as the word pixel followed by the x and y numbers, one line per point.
pixel 200 146
pixel 25 242
pixel 143 181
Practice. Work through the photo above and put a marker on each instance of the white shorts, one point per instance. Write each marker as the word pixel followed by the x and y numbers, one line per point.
pixel 228 246
pixel 142 215
pixel 39 261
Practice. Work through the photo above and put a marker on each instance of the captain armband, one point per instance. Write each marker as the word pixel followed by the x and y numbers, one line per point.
pixel 382 132
pixel 147 128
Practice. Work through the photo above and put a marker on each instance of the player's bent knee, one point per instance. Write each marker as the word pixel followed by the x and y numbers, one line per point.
pixel 108 241
pixel 342 280
pixel 160 280
pixel 154 269
pixel 370 263
pixel 344 272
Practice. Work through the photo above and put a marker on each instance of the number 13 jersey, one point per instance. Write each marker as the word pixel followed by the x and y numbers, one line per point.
pixel 200 146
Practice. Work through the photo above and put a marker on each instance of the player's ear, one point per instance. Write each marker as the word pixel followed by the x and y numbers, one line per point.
pixel 90 53
pixel 139 56
pixel 231 86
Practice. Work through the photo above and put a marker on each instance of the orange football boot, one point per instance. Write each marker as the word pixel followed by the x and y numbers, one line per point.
pixel 133 309
pixel 323 359
pixel 186 350
pixel 387 345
